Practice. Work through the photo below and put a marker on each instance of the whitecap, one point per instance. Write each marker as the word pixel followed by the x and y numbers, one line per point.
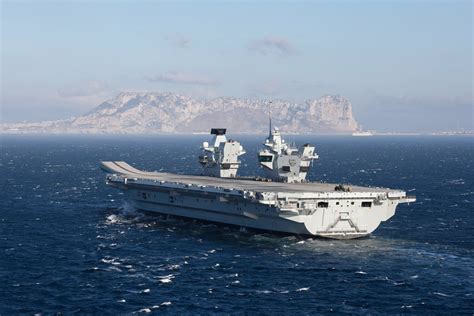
pixel 112 219
pixel 165 280
pixel 264 292
pixel 456 181
pixel 302 289
pixel 113 268
pixel 361 272
pixel 442 294
pixel 173 267
pixel 145 310
pixel 166 303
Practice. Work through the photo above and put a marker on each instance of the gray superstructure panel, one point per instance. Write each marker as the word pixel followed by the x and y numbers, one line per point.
pixel 121 167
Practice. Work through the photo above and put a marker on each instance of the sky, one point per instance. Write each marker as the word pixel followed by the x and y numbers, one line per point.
pixel 404 65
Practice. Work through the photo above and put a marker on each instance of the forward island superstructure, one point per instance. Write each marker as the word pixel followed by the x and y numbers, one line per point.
pixel 283 162
pixel 285 202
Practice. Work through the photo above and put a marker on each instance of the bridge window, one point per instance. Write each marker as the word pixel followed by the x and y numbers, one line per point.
pixel 323 204
pixel 285 168
pixel 304 169
pixel 265 158
pixel 366 204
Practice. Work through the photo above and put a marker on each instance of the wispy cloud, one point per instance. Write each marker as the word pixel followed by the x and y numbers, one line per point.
pixel 182 78
pixel 179 40
pixel 84 90
pixel 272 45
pixel 82 95
pixel 269 88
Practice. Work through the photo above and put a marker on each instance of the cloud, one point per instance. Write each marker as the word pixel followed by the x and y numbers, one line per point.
pixel 272 45
pixel 83 95
pixel 179 40
pixel 182 78
pixel 88 89
pixel 268 88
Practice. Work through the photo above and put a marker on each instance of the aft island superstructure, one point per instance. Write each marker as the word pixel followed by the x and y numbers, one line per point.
pixel 286 202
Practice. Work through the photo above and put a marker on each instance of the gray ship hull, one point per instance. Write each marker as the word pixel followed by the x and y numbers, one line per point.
pixel 314 209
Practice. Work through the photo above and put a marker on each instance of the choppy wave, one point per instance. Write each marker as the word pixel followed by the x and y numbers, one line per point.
pixel 71 245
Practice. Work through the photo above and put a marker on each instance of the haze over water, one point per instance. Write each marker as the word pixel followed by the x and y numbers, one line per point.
pixel 406 66
pixel 71 244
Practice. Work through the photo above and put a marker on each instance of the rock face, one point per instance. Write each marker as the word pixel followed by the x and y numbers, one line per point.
pixel 173 113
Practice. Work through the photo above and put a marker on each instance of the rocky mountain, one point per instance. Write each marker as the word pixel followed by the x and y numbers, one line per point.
pixel 173 113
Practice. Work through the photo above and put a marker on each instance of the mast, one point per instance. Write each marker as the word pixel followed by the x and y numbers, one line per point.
pixel 270 120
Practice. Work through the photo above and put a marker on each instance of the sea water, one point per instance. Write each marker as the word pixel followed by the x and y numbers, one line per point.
pixel 70 244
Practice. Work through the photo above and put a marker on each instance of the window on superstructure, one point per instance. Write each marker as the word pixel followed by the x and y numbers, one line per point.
pixel 323 204
pixel 366 204
pixel 265 158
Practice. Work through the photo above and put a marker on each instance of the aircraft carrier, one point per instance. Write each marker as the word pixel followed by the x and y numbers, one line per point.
pixel 283 201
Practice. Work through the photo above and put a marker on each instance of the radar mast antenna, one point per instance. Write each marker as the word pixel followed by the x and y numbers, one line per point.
pixel 270 120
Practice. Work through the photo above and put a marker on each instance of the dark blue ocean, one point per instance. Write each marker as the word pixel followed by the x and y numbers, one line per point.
pixel 70 244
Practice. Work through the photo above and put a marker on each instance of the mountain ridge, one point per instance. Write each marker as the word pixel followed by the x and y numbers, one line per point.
pixel 166 112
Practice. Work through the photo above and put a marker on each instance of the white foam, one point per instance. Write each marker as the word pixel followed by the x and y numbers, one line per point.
pixel 442 294
pixel 174 267
pixel 302 289
pixel 165 280
pixel 112 219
